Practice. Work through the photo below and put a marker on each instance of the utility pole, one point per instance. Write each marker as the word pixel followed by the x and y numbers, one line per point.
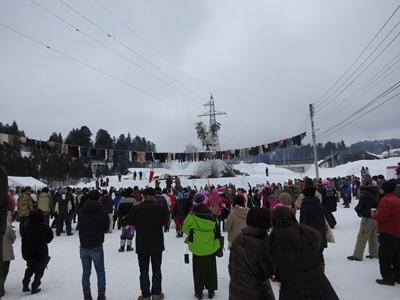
pixel 314 143
pixel 284 159
pixel 212 133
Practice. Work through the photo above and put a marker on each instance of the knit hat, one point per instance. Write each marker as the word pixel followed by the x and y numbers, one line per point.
pixel 285 198
pixel 94 195
pixel 309 191
pixel 158 190
pixel 149 192
pixel 367 179
pixel 215 191
pixel 325 182
pixel 238 200
pixel 186 195
pixel 259 217
pixel 36 216
pixel 199 199
pixel 180 195
pixel 62 191
pixel 285 185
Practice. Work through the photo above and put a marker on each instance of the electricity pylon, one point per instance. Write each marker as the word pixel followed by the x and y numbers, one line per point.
pixel 213 126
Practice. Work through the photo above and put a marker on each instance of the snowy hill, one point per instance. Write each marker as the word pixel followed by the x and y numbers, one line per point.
pixel 256 172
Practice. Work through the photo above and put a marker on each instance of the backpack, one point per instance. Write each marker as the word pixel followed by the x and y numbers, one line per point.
pixel 214 206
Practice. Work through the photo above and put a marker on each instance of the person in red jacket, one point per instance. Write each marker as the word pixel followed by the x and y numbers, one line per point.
pixel 388 227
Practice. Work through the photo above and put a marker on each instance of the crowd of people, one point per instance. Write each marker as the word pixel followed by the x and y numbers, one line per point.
pixel 275 232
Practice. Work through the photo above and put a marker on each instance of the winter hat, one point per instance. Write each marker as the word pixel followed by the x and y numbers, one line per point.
pixel 367 179
pixel 285 185
pixel 285 198
pixel 149 192
pixel 238 200
pixel 94 195
pixel 388 186
pixel 36 216
pixel 259 217
pixel 186 195
pixel 62 191
pixel 158 190
pixel 309 182
pixel 325 182
pixel 215 191
pixel 309 191
pixel 180 195
pixel 199 199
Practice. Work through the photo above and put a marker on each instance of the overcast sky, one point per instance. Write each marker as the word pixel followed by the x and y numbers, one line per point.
pixel 263 61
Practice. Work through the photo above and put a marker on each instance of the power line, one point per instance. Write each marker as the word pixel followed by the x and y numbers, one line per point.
pixel 391 89
pixel 355 97
pixel 358 56
pixel 128 48
pixel 148 44
pixel 113 51
pixel 325 135
pixel 98 70
pixel 365 67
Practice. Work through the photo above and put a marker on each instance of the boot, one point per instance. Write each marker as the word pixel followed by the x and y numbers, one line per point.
pixel 122 246
pixel 129 246
pixel 87 294
pixel 157 297
pixel 35 289
pixel 25 288
pixel 101 295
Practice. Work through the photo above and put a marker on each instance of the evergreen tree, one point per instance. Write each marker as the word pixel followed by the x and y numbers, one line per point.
pixel 103 140
pixel 57 138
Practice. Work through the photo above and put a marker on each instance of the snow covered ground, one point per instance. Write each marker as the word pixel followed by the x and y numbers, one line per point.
pixel 351 279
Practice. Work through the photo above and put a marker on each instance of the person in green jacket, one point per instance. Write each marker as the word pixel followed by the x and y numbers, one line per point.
pixel 202 228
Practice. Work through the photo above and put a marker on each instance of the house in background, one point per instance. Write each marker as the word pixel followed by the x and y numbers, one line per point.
pixel 336 159
pixel 299 166
pixel 343 157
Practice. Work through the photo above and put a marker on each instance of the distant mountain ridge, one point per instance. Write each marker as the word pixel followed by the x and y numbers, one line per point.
pixel 377 146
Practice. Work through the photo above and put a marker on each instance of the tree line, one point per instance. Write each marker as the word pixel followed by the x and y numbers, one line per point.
pixel 63 169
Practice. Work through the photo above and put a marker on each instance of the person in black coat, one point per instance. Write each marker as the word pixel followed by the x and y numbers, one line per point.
pixel 35 237
pixel 64 205
pixel 312 214
pixel 93 222
pixel 294 250
pixel 149 217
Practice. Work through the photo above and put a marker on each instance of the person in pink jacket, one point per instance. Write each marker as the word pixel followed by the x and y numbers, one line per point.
pixel 214 202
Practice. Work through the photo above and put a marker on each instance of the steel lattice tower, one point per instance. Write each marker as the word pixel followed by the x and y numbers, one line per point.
pixel 212 136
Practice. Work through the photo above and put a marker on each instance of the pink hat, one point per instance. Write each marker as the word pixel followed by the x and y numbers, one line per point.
pixel 199 199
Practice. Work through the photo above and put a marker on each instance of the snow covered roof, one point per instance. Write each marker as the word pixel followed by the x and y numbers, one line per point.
pixel 14 181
